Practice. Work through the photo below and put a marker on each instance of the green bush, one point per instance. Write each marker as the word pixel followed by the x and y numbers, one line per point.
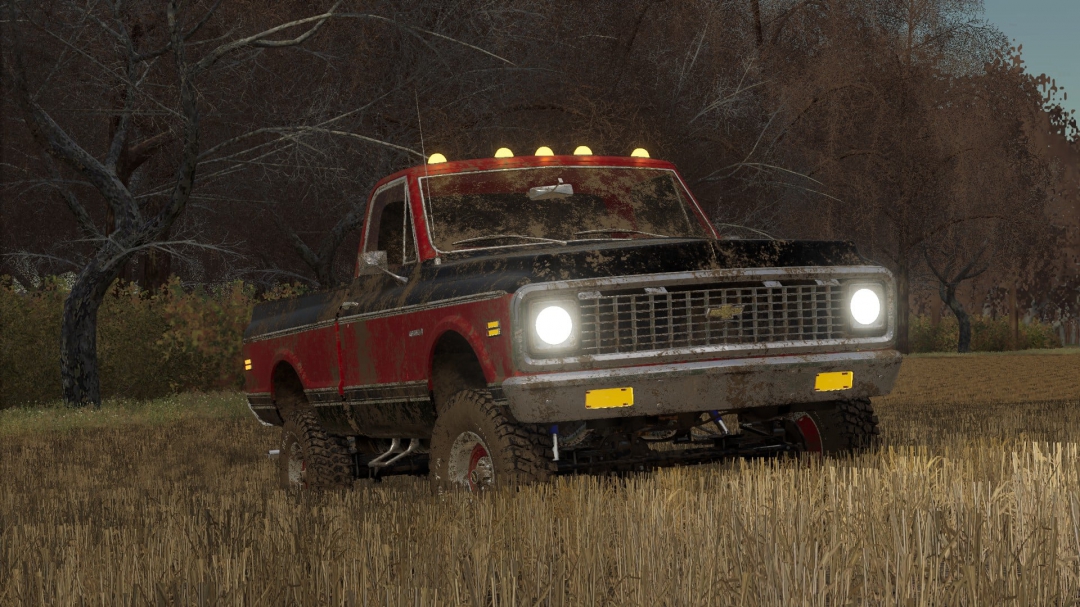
pixel 30 342
pixel 987 335
pixel 150 344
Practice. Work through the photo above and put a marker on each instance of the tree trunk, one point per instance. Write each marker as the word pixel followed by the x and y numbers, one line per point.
pixel 948 295
pixel 1014 319
pixel 324 273
pixel 156 268
pixel 78 337
pixel 902 311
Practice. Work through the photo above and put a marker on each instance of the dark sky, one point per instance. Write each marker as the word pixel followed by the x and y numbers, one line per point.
pixel 1049 31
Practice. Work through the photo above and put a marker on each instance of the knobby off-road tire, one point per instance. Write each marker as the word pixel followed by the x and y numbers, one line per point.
pixel 309 458
pixel 848 427
pixel 477 445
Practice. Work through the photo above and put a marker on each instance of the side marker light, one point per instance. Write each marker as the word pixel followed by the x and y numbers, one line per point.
pixel 582 150
pixel 247 364
pixel 436 158
pixel 493 329
pixel 640 153
pixel 544 151
pixel 504 153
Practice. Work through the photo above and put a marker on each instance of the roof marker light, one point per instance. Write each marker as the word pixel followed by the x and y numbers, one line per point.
pixel 582 150
pixel 544 151
pixel 436 158
pixel 640 153
pixel 504 153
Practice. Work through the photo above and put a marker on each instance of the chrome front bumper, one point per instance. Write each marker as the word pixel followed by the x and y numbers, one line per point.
pixel 727 384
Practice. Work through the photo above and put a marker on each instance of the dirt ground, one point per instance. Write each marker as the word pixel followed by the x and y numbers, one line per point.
pixel 988 378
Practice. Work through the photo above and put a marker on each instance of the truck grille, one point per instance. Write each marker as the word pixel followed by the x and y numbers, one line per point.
pixel 711 316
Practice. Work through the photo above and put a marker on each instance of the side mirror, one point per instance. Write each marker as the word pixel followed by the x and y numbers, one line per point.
pixel 375 260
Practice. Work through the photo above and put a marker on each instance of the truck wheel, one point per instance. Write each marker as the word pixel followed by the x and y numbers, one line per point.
pixel 848 427
pixel 477 445
pixel 309 458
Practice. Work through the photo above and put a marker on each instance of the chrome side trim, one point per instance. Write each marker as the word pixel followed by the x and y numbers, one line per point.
pixel 442 303
pixel 561 288
pixel 370 394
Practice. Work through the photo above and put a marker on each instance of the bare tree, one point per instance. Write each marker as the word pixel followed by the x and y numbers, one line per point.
pixel 130 66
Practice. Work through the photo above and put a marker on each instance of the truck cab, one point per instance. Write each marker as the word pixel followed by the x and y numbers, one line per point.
pixel 516 317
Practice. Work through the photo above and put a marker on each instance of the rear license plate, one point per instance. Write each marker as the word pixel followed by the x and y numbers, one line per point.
pixel 827 382
pixel 609 397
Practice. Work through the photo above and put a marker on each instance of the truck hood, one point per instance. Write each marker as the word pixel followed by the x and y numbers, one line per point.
pixel 475 272
pixel 621 258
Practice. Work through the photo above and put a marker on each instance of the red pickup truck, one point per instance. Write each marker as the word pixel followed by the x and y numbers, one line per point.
pixel 516 317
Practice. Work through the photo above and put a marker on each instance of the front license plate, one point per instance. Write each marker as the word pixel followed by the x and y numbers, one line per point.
pixel 609 397
pixel 827 382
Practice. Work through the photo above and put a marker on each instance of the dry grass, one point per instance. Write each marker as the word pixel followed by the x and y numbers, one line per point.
pixel 974 502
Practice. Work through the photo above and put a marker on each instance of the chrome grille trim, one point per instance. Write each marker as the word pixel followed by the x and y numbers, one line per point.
pixel 564 290
pixel 661 321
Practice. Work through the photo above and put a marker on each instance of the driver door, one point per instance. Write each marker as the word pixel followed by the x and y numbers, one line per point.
pixel 376 366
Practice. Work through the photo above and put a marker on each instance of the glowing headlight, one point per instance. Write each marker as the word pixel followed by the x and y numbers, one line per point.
pixel 554 325
pixel 865 306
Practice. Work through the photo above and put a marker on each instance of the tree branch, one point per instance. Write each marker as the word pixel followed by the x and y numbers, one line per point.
pixel 257 40
pixel 302 249
pixel 82 217
pixel 57 143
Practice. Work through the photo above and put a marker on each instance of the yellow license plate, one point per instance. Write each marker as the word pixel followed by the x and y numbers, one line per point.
pixel 609 397
pixel 827 382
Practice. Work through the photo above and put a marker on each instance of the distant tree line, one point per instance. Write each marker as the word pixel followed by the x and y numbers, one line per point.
pixel 221 140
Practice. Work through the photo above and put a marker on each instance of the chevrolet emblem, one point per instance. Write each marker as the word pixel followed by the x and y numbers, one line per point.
pixel 725 312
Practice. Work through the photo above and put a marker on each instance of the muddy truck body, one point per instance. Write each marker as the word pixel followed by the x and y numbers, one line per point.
pixel 513 318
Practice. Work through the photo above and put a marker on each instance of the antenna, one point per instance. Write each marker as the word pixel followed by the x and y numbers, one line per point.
pixel 420 124
pixel 427 178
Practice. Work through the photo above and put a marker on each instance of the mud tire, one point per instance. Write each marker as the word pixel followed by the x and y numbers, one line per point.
pixel 520 454
pixel 323 462
pixel 848 427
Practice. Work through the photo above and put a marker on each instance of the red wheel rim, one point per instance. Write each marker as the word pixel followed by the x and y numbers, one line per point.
pixel 811 435
pixel 478 453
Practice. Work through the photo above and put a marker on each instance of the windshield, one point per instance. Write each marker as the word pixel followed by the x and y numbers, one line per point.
pixel 540 205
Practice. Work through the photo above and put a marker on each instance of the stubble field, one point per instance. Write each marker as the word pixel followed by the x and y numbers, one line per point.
pixel 973 500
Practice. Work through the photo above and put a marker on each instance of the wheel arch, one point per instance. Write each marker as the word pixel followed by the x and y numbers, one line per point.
pixel 287 384
pixel 456 363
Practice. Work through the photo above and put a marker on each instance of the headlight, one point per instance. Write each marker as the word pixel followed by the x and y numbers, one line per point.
pixel 554 325
pixel 866 306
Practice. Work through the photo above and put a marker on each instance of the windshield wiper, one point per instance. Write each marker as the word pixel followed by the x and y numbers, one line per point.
pixel 500 236
pixel 622 231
